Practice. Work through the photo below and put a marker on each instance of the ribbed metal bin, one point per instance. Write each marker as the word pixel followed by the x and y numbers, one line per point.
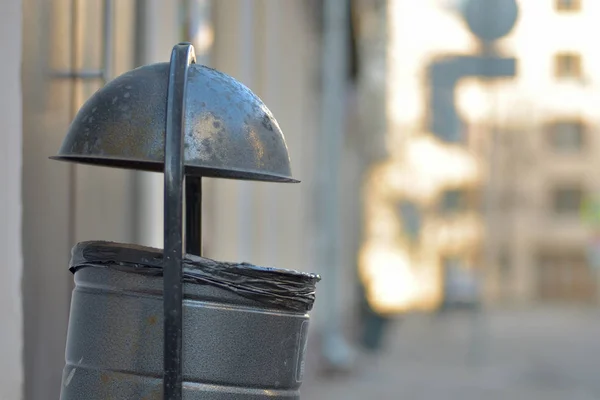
pixel 244 338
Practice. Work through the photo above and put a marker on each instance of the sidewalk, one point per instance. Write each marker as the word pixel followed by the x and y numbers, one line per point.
pixel 550 354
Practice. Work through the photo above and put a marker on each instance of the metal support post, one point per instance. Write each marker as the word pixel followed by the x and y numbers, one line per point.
pixel 181 58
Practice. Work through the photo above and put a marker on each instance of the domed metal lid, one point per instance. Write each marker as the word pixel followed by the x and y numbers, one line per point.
pixel 229 132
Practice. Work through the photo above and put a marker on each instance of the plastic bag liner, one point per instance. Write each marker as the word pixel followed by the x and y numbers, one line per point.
pixel 285 289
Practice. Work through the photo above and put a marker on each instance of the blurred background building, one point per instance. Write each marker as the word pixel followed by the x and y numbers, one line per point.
pixel 503 91
pixel 446 149
pixel 546 121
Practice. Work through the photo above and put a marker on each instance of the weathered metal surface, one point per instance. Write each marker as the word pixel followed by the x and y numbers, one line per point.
pixel 234 347
pixel 229 132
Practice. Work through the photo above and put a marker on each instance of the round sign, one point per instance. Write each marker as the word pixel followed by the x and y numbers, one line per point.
pixel 490 20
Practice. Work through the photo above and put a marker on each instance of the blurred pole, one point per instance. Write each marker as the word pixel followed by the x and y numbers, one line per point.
pixel 246 190
pixel 334 77
pixel 273 64
pixel 479 323
pixel 373 41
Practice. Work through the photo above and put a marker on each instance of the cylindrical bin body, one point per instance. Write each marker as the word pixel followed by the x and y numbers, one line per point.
pixel 235 345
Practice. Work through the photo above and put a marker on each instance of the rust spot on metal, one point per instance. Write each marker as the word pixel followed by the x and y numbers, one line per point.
pixel 152 320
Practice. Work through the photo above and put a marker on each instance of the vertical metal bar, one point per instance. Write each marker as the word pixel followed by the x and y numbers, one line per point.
pixel 108 41
pixel 193 215
pixel 181 57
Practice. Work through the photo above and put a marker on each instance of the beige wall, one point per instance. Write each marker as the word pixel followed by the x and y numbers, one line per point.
pixel 282 71
pixel 62 204
pixel 160 33
pixel 11 315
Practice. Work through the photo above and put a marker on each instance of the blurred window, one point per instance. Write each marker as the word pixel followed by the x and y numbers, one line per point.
pixel 564 274
pixel 568 5
pixel 410 216
pixel 453 201
pixel 567 136
pixel 567 199
pixel 567 65
pixel 459 200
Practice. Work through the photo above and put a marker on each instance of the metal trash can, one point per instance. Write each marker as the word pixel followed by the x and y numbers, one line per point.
pixel 244 327
pixel 148 324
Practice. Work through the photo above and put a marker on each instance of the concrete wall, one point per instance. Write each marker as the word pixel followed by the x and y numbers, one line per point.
pixel 11 264
pixel 274 52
